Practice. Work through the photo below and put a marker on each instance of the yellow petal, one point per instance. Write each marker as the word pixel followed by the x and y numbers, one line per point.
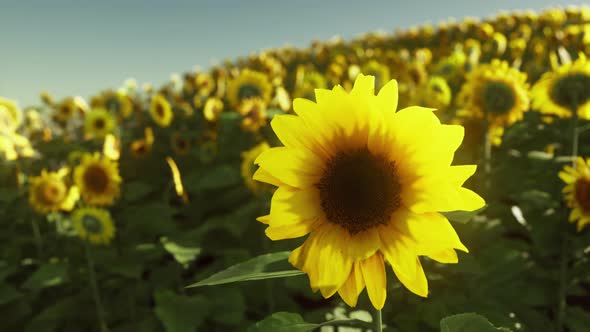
pixel 354 285
pixel 363 85
pixel 291 231
pixel 448 256
pixel 388 96
pixel 293 167
pixel 264 176
pixel 375 280
pixel 418 284
pixel 290 205
pixel 294 133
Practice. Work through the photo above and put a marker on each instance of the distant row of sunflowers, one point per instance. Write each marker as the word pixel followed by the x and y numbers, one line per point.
pixel 481 74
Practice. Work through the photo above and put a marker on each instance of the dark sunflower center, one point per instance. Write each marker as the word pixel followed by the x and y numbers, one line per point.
pixel 92 224
pixel 583 194
pixel 112 104
pixel 99 124
pixel 247 91
pixel 96 179
pixel 498 97
pixel 181 143
pixel 359 190
pixel 159 110
pixel 52 193
pixel 572 90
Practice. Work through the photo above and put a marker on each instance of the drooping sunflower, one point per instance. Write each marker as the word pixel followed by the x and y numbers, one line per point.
pixel 248 167
pixel 98 123
pixel 249 84
pixel 161 111
pixel 49 192
pixel 565 89
pixel 94 225
pixel 497 90
pixel 98 179
pixel 10 115
pixel 577 191
pixel 367 183
pixel 143 146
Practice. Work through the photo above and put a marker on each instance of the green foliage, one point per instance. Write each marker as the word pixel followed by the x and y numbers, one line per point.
pixel 468 323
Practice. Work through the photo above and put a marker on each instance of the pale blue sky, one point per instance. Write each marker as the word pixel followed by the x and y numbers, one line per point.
pixel 81 47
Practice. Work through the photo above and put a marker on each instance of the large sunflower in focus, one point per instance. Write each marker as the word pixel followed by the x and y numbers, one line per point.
pixel 567 88
pixel 367 183
pixel 497 90
pixel 249 84
pixel 94 225
pixel 98 179
pixel 98 123
pixel 577 191
pixel 49 192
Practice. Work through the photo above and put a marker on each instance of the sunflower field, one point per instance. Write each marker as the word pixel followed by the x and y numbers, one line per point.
pixel 432 179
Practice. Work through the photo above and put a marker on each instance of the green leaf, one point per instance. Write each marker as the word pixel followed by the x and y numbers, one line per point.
pixel 180 313
pixel 136 190
pixel 253 269
pixel 577 319
pixel 216 178
pixel 468 322
pixel 229 306
pixel 8 293
pixel 46 276
pixel 182 254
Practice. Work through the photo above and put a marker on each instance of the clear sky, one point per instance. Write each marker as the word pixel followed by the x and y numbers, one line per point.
pixel 79 47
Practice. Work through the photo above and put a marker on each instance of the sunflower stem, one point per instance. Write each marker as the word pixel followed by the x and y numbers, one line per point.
pixel 487 151
pixel 378 321
pixel 95 291
pixel 562 302
pixel 38 238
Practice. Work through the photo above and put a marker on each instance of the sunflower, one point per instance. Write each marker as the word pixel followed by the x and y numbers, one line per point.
pixel 10 115
pixel 496 90
pixel 49 192
pixel 94 225
pixel 117 102
pixel 368 184
pixel 98 179
pixel 248 168
pixel 254 112
pixel 98 123
pixel 436 93
pixel 161 111
pixel 308 83
pixel 142 147
pixel 180 144
pixel 212 108
pixel 565 89
pixel 249 84
pixel 69 107
pixel 577 191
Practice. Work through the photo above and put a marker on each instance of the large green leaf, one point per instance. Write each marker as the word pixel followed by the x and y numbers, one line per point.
pixel 46 276
pixel 468 322
pixel 253 269
pixel 180 313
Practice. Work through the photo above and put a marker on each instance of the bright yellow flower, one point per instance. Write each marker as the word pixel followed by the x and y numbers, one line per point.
pixel 249 84
pixel 436 93
pixel 98 123
pixel 94 225
pixel 98 179
pixel 497 90
pixel 368 184
pixel 117 102
pixel 577 191
pixel 161 111
pixel 566 88
pixel 49 192
pixel 248 168
pixel 212 108
pixel 10 115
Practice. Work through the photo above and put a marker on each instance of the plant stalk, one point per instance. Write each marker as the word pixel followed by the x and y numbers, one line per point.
pixel 95 291
pixel 378 321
